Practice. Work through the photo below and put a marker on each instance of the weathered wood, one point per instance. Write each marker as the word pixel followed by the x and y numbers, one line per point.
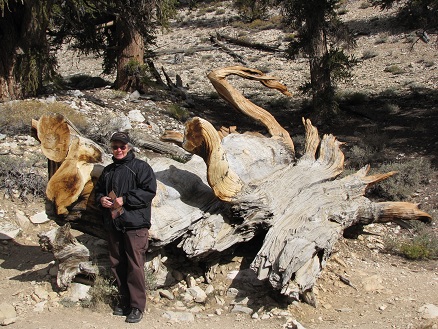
pixel 238 186
pixel 227 50
pixel 162 147
pixel 247 44
pixel 73 257
pixel 240 103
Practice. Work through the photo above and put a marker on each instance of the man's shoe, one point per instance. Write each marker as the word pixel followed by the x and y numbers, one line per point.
pixel 135 316
pixel 121 310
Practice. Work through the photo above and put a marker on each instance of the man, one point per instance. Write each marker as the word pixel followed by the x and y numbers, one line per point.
pixel 125 191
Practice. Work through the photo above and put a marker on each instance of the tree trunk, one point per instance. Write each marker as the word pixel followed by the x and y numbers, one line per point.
pixel 322 89
pixel 24 52
pixel 235 187
pixel 130 57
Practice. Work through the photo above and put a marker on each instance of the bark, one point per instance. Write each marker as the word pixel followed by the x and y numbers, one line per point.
pixel 239 186
pixel 24 51
pixel 322 90
pixel 130 51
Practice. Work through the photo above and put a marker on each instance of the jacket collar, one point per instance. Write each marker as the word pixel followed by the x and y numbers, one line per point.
pixel 126 159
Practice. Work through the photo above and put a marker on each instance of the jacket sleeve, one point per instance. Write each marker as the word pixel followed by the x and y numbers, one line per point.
pixel 142 196
pixel 99 189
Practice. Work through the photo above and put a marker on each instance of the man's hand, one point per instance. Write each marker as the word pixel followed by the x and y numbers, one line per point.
pixel 118 202
pixel 106 202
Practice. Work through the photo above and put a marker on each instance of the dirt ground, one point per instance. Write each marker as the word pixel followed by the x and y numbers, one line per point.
pixel 386 291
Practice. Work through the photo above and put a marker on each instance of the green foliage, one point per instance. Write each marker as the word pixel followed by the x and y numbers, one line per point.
pixel 360 156
pixel 413 13
pixel 252 10
pixel 353 98
pixel 322 37
pixel 150 280
pixel 17 116
pixel 411 174
pixel 423 244
pixel 367 54
pixel 19 177
pixel 178 112
pixel 102 293
pixel 394 69
pixel 339 64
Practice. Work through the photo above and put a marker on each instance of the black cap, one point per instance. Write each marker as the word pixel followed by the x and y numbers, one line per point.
pixel 120 136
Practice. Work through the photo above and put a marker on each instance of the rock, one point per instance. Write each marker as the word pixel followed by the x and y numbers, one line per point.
pixel 39 218
pixel 198 294
pixel 136 116
pixel 241 309
pixel 39 307
pixel 190 280
pixel 166 294
pixel 187 297
pixel 41 293
pixel 8 230
pixel 429 311
pixel 196 309
pixel 78 292
pixel 179 316
pixel 240 301
pixel 135 95
pixel 121 122
pixel 209 290
pixel 382 307
pixel 22 219
pixel 293 324
pixel 8 314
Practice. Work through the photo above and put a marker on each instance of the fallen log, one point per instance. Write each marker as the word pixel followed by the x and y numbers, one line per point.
pixel 239 186
pixel 247 44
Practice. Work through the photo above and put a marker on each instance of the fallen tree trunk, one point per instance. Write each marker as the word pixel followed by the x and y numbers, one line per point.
pixel 238 186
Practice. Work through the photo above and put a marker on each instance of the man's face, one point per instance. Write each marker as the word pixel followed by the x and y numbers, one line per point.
pixel 120 150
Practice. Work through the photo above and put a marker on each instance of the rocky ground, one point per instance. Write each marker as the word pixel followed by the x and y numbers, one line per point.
pixel 385 291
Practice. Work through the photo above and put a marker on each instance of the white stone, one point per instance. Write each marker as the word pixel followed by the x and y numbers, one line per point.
pixel 136 116
pixel 241 309
pixel 7 311
pixel 39 218
pixel 134 95
pixel 166 294
pixel 209 290
pixel 179 316
pixel 79 291
pixel 8 230
pixel 22 219
pixel 198 294
pixel 429 311
pixel 232 292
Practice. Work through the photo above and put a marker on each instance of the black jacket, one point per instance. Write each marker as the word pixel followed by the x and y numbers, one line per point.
pixel 135 181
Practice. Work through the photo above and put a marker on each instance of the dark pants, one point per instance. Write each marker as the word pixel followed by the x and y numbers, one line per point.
pixel 127 256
